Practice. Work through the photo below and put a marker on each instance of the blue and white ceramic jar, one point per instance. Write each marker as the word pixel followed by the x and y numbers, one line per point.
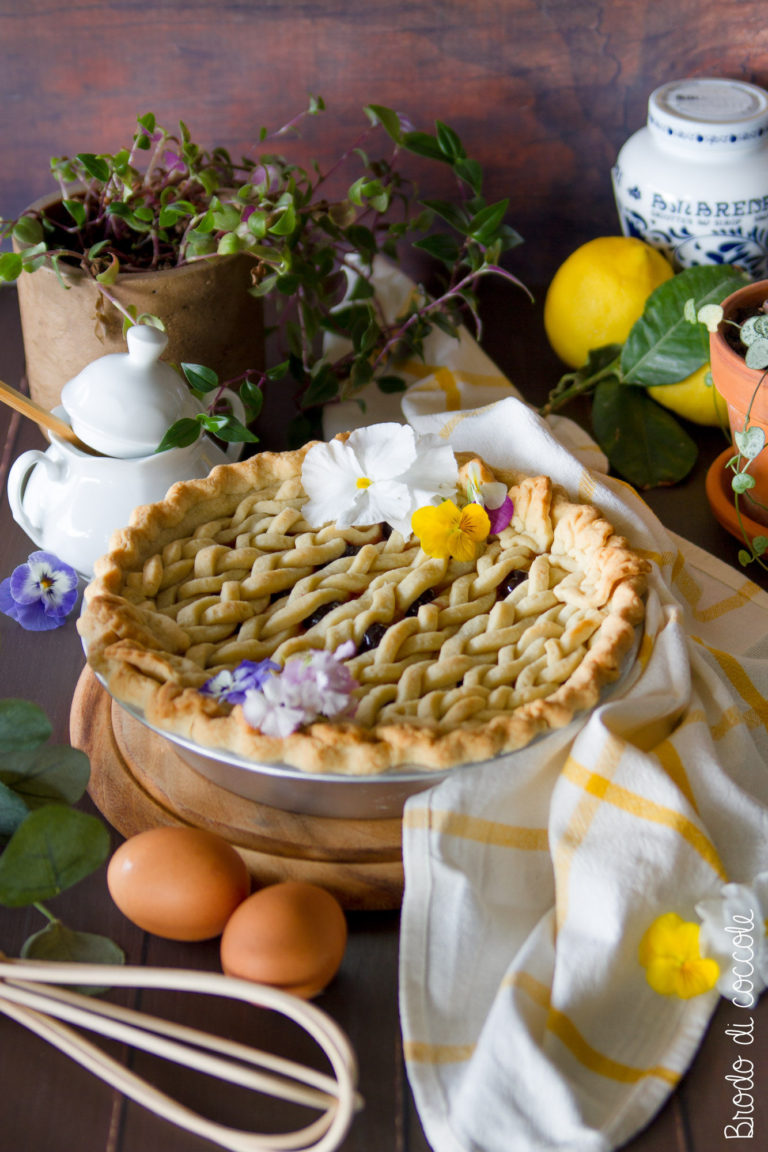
pixel 694 181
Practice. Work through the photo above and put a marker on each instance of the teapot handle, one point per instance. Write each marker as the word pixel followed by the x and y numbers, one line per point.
pixel 233 450
pixel 17 479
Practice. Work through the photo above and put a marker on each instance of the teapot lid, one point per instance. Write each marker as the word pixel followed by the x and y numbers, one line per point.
pixel 123 403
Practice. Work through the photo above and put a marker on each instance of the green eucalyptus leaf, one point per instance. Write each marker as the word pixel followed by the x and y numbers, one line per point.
pixel 663 347
pixel 51 850
pixel 13 811
pixel 58 943
pixel 52 772
pixel 759 545
pixel 10 266
pixel 642 440
pixel 750 442
pixel 22 725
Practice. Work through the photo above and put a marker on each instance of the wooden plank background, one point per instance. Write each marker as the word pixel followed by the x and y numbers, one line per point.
pixel 542 93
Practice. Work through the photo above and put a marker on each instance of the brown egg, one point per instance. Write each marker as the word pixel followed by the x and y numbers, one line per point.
pixel 290 935
pixel 180 883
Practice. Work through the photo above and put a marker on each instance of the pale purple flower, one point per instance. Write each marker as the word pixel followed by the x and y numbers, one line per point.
pixel 312 685
pixel 40 594
pixel 274 709
pixel 233 686
pixel 174 162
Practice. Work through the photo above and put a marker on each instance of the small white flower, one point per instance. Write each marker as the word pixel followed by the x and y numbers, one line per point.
pixel 381 473
pixel 733 932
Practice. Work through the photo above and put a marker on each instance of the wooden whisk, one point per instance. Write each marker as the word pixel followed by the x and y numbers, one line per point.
pixel 30 994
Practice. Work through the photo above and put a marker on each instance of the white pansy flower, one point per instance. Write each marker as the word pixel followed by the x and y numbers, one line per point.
pixel 381 473
pixel 733 932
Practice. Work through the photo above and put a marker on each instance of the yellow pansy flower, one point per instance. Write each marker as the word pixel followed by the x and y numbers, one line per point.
pixel 445 530
pixel 674 966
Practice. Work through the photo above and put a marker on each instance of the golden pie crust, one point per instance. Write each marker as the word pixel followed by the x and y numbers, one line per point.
pixel 456 662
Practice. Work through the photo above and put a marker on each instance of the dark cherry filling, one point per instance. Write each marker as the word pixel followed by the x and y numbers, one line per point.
pixel 372 637
pixel 511 581
pixel 318 613
pixel 426 597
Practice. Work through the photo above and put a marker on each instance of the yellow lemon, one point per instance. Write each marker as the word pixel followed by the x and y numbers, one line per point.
pixel 598 293
pixel 694 398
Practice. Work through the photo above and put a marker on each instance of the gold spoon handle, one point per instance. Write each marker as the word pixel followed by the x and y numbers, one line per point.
pixel 28 407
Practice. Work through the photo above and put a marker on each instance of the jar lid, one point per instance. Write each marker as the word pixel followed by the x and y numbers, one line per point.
pixel 707 114
pixel 123 403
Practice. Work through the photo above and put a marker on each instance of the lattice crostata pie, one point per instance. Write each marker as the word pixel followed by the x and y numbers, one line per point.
pixel 445 661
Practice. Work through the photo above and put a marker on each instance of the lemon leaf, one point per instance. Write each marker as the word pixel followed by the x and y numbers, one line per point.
pixel 643 441
pixel 663 347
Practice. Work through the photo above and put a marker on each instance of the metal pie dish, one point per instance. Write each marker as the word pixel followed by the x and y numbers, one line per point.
pixel 280 786
pixel 337 796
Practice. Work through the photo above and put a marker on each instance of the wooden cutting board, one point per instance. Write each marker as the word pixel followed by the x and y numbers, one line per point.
pixel 138 781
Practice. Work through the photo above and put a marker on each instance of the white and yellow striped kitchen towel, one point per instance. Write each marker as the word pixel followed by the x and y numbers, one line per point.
pixel 527 1019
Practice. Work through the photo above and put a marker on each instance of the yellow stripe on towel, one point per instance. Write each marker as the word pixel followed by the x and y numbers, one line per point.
pixel 466 827
pixel 739 679
pixel 568 1034
pixel 636 805
pixel 419 1051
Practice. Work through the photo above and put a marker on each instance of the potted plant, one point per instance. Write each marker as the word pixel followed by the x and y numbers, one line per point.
pixel 119 231
pixel 739 357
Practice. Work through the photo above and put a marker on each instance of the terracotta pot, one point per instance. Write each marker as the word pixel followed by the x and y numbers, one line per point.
pixel 736 383
pixel 209 316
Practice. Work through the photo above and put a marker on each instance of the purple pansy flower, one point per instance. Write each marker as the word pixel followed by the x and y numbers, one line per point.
pixel 40 594
pixel 232 686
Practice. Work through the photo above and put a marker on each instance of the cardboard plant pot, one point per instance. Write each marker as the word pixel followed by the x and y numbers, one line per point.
pixel 208 314
pixel 745 390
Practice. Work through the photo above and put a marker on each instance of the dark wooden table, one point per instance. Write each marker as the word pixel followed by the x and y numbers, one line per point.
pixel 49 1104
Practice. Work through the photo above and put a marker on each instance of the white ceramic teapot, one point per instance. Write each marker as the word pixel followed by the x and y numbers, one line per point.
pixel 69 501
